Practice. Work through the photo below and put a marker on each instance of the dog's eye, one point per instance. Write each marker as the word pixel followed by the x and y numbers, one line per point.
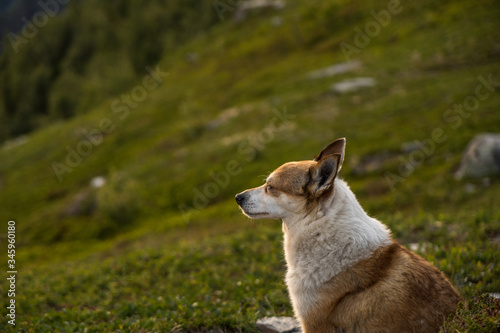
pixel 268 187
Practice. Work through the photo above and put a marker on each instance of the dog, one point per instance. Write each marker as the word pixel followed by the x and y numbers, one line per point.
pixel 345 273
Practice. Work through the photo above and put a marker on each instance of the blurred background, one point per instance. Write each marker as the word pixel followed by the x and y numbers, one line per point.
pixel 127 127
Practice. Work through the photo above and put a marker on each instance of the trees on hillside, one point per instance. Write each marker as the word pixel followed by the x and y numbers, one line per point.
pixel 90 51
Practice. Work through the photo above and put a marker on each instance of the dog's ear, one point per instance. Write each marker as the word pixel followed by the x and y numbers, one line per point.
pixel 323 174
pixel 336 147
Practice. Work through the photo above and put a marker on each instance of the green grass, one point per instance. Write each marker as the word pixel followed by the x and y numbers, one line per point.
pixel 128 260
pixel 195 286
pixel 224 279
pixel 480 314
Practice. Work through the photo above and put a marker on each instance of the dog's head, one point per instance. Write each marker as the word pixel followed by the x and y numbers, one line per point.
pixel 295 187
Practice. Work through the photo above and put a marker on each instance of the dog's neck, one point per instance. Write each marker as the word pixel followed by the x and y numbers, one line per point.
pixel 320 252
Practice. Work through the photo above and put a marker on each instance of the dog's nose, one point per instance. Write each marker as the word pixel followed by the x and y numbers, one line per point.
pixel 240 198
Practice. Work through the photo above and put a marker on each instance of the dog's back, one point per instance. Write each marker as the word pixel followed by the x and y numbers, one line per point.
pixel 346 272
pixel 394 290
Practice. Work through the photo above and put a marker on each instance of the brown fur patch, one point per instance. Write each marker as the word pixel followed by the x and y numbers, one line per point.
pixel 295 179
pixel 291 178
pixel 394 290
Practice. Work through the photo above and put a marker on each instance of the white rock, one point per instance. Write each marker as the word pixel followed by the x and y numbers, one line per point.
pixel 336 69
pixel 243 8
pixel 253 4
pixel 229 114
pixel 353 84
pixel 420 247
pixel 98 182
pixel 481 157
pixel 494 295
pixel 19 141
pixel 278 325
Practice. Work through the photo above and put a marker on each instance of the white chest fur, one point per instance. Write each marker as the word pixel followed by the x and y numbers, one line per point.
pixel 319 248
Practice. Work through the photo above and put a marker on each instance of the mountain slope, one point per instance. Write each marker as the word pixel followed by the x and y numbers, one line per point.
pixel 214 117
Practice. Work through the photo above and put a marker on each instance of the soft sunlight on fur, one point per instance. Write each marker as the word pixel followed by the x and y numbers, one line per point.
pixel 345 272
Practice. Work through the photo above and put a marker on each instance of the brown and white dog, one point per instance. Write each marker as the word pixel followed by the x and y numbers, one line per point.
pixel 345 272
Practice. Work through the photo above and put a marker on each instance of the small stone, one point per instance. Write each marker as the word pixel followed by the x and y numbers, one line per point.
pixel 336 69
pixel 470 188
pixel 19 141
pixel 227 115
pixel 98 182
pixel 278 325
pixel 409 147
pixel 419 247
pixel 494 295
pixel 243 8
pixel 414 246
pixel 481 157
pixel 353 84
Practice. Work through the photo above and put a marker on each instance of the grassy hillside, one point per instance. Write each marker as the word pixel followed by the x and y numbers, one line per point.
pixel 162 246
